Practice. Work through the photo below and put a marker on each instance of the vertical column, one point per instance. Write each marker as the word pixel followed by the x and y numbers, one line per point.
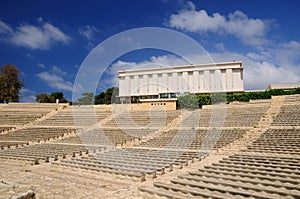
pixel 195 82
pixel 212 81
pixel 223 74
pixel 155 84
pixel 218 80
pixel 164 83
pixel 150 83
pixel 169 83
pixel 143 82
pixel 229 79
pixel 135 85
pixel 174 82
pixel 185 81
pixel 190 82
pixel 127 86
pixel 206 76
pixel 201 82
pixel 237 81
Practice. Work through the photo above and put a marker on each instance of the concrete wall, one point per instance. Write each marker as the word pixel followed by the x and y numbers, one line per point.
pixel 145 106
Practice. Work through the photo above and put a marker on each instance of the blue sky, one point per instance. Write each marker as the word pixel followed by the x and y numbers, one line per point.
pixel 49 40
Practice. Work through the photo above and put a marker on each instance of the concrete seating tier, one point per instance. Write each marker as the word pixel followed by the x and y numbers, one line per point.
pixel 35 134
pixel 141 162
pixel 238 176
pixel 292 98
pixel 280 141
pixel 17 114
pixel 194 139
pixel 5 128
pixel 43 151
pixel 142 119
pixel 8 144
pixel 268 168
pixel 108 136
pixel 76 116
pixel 288 116
pixel 245 116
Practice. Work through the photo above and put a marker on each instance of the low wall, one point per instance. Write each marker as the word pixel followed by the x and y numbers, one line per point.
pixel 144 106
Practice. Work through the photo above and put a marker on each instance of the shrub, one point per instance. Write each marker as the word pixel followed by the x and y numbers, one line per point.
pixel 188 101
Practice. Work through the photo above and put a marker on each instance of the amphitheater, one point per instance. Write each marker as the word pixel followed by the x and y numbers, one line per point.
pixel 237 150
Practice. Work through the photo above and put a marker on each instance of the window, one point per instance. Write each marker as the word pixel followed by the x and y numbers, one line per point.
pixel 173 95
pixel 163 95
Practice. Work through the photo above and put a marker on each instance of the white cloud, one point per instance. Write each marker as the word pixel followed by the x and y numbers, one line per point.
pixel 41 37
pixel 42 65
pixel 59 71
pixel 5 28
pixel 248 30
pixel 55 81
pixel 88 31
pixel 284 55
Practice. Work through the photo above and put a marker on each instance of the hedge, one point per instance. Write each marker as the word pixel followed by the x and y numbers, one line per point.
pixel 191 101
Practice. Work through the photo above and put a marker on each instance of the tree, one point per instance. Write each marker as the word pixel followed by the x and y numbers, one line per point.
pixel 87 99
pixel 188 101
pixel 45 98
pixel 42 98
pixel 108 97
pixel 10 83
pixel 100 99
pixel 58 95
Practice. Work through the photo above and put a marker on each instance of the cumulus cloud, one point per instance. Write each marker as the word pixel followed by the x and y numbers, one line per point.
pixel 55 79
pixel 41 36
pixel 59 71
pixel 248 30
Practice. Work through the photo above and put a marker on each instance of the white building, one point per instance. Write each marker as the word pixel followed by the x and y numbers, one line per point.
pixel 168 82
pixel 283 86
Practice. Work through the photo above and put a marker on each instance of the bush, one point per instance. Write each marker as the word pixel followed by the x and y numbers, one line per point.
pixel 188 101
pixel 206 99
pixel 203 99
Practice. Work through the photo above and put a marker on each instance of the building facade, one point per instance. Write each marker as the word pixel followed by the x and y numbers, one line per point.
pixel 169 82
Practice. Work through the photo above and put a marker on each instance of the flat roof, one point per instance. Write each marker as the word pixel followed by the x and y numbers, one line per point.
pixel 283 86
pixel 184 66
